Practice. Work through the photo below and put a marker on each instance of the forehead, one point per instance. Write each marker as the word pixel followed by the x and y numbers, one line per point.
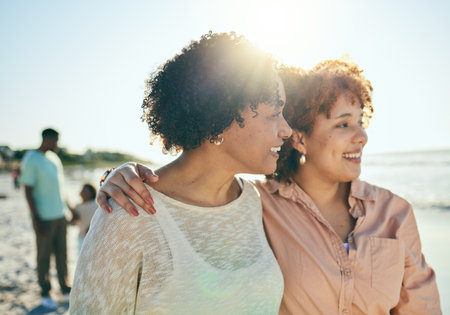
pixel 281 90
pixel 346 102
pixel 52 137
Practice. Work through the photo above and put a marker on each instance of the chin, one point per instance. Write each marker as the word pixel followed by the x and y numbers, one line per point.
pixel 270 170
pixel 353 177
pixel 264 170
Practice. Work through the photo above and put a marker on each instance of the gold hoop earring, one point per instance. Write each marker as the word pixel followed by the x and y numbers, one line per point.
pixel 302 159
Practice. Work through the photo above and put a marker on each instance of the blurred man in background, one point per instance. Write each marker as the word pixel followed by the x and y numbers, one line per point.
pixel 42 176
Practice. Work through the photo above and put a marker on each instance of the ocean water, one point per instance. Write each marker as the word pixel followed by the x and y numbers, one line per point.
pixel 423 178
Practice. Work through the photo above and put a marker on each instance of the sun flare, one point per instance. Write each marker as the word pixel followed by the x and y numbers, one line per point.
pixel 288 29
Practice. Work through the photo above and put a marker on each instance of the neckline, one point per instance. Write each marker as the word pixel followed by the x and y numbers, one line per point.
pixel 196 208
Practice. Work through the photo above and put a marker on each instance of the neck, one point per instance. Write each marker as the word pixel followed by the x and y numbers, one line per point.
pixel 323 193
pixel 43 148
pixel 198 177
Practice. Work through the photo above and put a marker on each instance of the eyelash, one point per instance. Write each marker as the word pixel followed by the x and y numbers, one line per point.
pixel 341 125
pixel 276 115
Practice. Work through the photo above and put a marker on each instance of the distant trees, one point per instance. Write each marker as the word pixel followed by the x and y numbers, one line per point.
pixel 10 158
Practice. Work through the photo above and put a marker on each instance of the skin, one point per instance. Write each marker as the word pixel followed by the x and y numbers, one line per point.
pixel 205 176
pixel 333 151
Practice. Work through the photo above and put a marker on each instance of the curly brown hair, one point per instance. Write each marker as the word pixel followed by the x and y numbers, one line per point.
pixel 311 93
pixel 197 94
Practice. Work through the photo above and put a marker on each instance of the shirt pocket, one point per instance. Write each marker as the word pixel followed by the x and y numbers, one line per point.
pixel 388 266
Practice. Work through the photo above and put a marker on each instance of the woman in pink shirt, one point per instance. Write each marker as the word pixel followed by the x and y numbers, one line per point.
pixel 344 246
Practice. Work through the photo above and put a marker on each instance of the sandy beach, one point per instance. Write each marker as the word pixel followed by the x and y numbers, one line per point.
pixel 19 291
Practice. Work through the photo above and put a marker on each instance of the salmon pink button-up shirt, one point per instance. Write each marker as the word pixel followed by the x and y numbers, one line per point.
pixel 384 271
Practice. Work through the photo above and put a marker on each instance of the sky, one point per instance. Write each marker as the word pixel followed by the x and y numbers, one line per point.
pixel 80 66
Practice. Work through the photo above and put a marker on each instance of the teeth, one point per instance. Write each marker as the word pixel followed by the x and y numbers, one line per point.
pixel 275 149
pixel 352 155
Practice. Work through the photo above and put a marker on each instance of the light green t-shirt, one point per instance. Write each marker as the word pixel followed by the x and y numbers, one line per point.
pixel 44 172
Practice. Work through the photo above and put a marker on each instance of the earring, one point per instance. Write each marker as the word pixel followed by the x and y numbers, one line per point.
pixel 302 159
pixel 216 140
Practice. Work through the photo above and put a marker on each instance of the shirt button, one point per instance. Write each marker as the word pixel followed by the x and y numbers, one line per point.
pixel 345 311
pixel 347 272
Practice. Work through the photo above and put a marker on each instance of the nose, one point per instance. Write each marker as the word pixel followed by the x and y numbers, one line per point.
pixel 284 131
pixel 360 136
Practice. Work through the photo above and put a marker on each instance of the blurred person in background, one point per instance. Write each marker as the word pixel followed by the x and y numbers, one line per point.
pixel 42 175
pixel 82 213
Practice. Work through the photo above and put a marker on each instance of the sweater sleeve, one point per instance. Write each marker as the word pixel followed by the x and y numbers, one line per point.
pixel 419 293
pixel 108 274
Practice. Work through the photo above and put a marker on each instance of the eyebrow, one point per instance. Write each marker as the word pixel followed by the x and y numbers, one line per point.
pixel 347 115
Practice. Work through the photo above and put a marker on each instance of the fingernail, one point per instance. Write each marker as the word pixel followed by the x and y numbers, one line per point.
pixel 134 212
pixel 149 199
pixel 148 209
pixel 108 208
pixel 152 210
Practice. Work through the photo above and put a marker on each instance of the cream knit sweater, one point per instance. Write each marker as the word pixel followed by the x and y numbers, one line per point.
pixel 183 260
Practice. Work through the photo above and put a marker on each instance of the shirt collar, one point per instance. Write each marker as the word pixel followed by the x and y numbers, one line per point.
pixel 288 189
pixel 361 190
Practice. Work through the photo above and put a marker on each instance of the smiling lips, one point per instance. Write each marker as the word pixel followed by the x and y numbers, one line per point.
pixel 275 149
pixel 354 157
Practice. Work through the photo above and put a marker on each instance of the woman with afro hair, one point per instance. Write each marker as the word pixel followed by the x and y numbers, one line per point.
pixel 344 246
pixel 220 102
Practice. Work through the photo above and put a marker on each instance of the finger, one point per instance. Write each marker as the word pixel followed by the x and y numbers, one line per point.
pixel 119 196
pixel 146 173
pixel 122 183
pixel 131 177
pixel 102 201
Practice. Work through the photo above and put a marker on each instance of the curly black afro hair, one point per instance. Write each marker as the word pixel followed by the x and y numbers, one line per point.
pixel 314 92
pixel 196 95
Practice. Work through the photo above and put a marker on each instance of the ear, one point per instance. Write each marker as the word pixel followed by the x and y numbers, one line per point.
pixel 298 140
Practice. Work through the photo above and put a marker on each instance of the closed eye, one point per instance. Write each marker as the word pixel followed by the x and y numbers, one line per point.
pixel 276 115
